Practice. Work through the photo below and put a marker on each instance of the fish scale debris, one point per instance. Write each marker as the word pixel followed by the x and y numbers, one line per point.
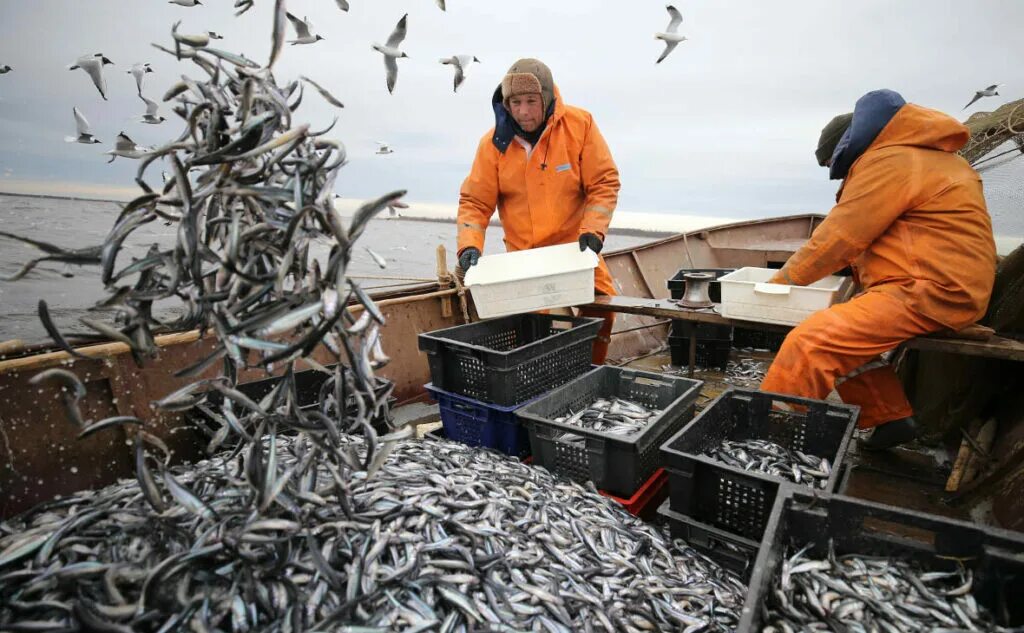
pixel 868 593
pixel 769 458
pixel 442 537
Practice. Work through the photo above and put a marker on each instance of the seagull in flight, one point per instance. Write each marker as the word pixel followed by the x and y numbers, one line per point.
pixel 342 4
pixel 991 91
pixel 671 37
pixel 126 148
pixel 152 115
pixel 93 66
pixel 185 3
pixel 303 31
pixel 139 72
pixel 84 131
pixel 384 148
pixel 461 63
pixel 394 207
pixel 5 69
pixel 392 53
pixel 440 3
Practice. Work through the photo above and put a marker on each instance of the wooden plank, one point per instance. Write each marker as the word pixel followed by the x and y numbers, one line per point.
pixel 995 347
pixel 666 308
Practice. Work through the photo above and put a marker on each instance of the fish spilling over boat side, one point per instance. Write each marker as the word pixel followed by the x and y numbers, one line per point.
pixel 769 458
pixel 614 416
pixel 871 593
pixel 442 537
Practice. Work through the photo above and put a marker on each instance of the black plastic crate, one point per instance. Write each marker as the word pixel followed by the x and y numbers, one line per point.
pixel 615 464
pixel 677 285
pixel 758 339
pixel 735 553
pixel 511 360
pixel 704 330
pixel 710 352
pixel 308 385
pixel 854 526
pixel 740 501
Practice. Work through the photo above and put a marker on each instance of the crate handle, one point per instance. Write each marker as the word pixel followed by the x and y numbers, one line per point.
pixel 772 289
pixel 461 406
pixel 650 382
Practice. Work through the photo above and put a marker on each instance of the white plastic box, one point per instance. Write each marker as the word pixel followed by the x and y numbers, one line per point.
pixel 534 279
pixel 746 295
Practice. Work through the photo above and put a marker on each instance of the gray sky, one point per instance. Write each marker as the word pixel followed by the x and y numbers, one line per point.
pixel 725 126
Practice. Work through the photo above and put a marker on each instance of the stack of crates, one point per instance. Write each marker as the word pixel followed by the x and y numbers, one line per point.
pixel 722 510
pixel 482 372
pixel 714 342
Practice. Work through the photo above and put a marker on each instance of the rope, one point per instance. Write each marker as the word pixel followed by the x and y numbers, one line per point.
pixel 392 278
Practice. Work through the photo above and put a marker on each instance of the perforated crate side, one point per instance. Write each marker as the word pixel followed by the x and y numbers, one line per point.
pixel 510 360
pixel 479 424
pixel 709 352
pixel 994 556
pixel 735 553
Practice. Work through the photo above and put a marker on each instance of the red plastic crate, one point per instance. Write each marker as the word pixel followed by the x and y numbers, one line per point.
pixel 647 497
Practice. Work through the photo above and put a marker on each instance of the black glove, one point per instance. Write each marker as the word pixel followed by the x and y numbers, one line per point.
pixel 468 258
pixel 591 241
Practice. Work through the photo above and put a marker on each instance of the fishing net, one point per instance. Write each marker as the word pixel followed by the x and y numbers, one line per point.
pixel 996 151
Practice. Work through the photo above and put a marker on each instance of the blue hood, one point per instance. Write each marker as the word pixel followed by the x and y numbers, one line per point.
pixel 505 127
pixel 504 132
pixel 870 116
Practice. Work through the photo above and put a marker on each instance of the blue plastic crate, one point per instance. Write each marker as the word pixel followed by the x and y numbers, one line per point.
pixel 476 423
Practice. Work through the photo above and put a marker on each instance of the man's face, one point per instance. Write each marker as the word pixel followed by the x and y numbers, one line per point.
pixel 527 110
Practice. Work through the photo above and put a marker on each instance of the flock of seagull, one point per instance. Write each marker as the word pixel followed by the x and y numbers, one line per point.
pixel 124 147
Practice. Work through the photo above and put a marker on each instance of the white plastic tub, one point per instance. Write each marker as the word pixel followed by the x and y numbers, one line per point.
pixel 747 295
pixel 534 279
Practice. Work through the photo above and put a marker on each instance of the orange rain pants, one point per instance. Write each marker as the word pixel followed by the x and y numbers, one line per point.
pixel 833 343
pixel 604 335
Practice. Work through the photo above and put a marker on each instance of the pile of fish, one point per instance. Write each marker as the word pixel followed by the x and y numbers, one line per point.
pixel 614 416
pixel 746 372
pixel 871 593
pixel 769 458
pixel 443 537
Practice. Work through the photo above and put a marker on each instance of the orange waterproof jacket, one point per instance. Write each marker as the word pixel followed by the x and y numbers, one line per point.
pixel 566 186
pixel 911 220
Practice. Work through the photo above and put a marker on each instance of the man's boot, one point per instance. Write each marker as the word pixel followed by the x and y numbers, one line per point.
pixel 889 435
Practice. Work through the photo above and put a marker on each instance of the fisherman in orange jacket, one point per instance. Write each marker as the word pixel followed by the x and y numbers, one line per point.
pixel 911 220
pixel 547 170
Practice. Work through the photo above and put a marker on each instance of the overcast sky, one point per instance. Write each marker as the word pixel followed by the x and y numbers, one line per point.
pixel 726 126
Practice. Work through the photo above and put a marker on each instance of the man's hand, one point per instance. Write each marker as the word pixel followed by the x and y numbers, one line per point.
pixel 469 257
pixel 591 241
pixel 779 278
